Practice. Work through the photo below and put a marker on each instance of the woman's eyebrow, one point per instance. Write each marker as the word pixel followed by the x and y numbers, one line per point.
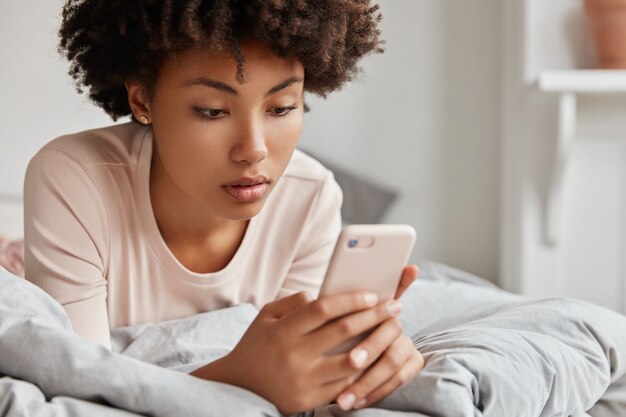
pixel 218 85
pixel 284 84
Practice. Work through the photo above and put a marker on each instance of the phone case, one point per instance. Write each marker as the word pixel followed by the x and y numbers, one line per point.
pixel 374 265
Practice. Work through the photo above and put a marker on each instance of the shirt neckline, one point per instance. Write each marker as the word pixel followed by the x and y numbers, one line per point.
pixel 153 235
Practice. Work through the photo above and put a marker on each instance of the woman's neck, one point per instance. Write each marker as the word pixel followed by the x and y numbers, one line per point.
pixel 199 240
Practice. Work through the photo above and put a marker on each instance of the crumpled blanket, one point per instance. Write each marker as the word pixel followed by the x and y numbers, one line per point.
pixel 47 370
pixel 488 353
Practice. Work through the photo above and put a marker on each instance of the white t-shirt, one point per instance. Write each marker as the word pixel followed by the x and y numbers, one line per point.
pixel 92 241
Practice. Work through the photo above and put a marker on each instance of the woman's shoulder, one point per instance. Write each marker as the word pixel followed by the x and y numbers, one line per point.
pixel 307 181
pixel 115 145
pixel 307 168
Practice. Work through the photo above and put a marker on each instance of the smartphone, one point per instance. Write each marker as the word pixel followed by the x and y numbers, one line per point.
pixel 368 258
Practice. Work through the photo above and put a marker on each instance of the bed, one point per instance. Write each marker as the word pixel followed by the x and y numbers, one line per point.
pixel 487 352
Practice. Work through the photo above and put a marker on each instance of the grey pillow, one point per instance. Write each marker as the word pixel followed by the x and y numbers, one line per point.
pixel 364 202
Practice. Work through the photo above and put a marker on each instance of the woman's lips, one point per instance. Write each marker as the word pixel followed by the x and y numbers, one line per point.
pixel 247 193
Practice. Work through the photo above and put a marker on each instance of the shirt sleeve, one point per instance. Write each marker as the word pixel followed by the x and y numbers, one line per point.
pixel 317 243
pixel 66 240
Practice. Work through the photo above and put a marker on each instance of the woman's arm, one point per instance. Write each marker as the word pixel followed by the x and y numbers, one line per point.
pixel 65 233
pixel 316 244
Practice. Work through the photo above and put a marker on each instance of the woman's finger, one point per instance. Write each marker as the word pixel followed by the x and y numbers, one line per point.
pixel 390 363
pixel 331 369
pixel 334 334
pixel 409 275
pixel 413 365
pixel 317 313
pixel 281 307
pixel 369 350
pixel 327 392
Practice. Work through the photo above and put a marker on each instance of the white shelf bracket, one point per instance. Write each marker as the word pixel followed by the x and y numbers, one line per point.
pixel 565 139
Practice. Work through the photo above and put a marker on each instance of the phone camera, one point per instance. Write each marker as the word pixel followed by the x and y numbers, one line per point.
pixel 352 243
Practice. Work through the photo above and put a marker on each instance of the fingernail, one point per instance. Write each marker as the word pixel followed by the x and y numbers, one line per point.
pixel 394 308
pixel 360 404
pixel 359 356
pixel 370 298
pixel 346 401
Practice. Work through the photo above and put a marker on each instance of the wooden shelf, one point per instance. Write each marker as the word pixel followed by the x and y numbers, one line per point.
pixel 582 81
pixel 568 84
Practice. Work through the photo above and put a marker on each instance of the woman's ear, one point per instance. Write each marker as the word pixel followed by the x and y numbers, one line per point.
pixel 138 101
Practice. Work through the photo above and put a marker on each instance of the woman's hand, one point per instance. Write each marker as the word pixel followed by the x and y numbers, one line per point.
pixel 390 360
pixel 409 275
pixel 390 354
pixel 282 354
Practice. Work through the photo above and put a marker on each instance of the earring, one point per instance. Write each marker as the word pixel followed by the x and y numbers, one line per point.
pixel 143 120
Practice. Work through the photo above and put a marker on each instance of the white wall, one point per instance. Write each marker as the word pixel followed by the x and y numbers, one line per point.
pixel 575 247
pixel 422 119
pixel 38 101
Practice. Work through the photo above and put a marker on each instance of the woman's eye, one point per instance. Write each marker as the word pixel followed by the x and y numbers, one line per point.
pixel 281 111
pixel 210 113
pixel 214 112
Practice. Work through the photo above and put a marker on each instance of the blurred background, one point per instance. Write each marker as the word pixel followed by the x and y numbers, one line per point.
pixel 486 118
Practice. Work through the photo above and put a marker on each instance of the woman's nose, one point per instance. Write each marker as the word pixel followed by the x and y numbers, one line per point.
pixel 251 147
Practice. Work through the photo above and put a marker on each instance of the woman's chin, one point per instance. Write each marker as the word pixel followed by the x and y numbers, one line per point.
pixel 243 211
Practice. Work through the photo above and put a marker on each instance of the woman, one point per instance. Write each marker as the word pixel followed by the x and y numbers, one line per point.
pixel 202 201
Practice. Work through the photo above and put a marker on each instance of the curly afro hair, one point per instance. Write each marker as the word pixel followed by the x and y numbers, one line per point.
pixel 109 42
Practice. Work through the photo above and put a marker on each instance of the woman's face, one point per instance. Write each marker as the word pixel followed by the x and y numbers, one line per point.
pixel 221 144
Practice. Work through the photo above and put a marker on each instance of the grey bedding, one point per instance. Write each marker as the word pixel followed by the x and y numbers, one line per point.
pixel 488 353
